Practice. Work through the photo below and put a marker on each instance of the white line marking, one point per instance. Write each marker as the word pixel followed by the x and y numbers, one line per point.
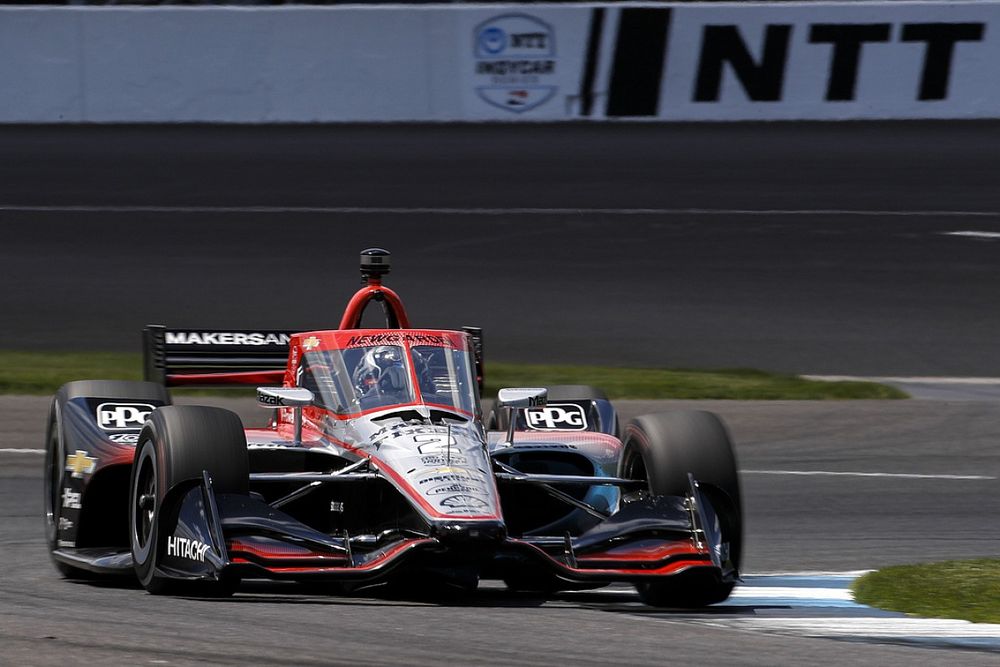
pixel 975 235
pixel 792 593
pixel 22 451
pixel 896 628
pixel 840 473
pixel 972 381
pixel 810 574
pixel 514 210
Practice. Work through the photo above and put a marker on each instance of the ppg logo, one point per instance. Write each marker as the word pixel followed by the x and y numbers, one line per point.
pixel 569 417
pixel 122 416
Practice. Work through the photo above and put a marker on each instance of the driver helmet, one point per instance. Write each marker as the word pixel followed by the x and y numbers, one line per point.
pixel 380 370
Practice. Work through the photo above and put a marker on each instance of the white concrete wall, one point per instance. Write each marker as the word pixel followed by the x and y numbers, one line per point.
pixel 465 63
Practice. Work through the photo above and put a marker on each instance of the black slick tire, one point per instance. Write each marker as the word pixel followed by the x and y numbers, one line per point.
pixel 662 449
pixel 176 445
pixel 55 454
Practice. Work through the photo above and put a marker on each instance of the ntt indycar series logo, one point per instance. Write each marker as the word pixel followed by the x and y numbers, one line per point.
pixel 515 62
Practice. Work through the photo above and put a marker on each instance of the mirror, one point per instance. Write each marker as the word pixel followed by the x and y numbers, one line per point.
pixel 534 397
pixel 283 397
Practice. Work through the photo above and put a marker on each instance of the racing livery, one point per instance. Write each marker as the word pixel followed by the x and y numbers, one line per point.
pixel 378 466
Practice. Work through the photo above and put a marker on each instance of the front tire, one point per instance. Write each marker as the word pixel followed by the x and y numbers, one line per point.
pixel 177 444
pixel 663 449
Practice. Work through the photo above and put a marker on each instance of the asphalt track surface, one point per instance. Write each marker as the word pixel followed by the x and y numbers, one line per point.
pixel 812 248
pixel 794 523
pixel 808 248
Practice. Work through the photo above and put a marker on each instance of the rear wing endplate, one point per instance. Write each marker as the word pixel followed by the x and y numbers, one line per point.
pixel 189 357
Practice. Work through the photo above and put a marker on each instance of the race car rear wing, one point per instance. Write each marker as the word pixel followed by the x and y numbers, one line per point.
pixel 186 357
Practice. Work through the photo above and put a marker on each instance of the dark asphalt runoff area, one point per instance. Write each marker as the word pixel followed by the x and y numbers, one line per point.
pixel 811 248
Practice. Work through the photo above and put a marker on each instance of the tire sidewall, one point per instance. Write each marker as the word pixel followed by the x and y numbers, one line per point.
pixel 53 456
pixel 144 557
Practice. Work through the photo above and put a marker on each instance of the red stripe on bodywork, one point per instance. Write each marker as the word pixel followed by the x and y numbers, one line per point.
pixel 672 567
pixel 280 551
pixel 645 554
pixel 376 562
pixel 412 404
pixel 242 377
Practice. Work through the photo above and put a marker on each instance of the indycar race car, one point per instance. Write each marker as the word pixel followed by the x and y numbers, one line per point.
pixel 378 467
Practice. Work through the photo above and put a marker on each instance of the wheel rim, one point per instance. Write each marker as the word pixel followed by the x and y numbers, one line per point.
pixel 144 503
pixel 634 467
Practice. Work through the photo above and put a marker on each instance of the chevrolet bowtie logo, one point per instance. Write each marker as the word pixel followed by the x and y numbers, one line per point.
pixel 80 464
pixel 310 343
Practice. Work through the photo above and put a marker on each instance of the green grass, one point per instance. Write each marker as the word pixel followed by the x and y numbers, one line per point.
pixel 653 383
pixel 968 590
pixel 43 372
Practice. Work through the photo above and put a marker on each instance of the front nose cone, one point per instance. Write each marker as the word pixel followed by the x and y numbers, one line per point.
pixel 469 532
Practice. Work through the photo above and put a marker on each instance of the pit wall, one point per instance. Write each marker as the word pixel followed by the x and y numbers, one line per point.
pixel 621 62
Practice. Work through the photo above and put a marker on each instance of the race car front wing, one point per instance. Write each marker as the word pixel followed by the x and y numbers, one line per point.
pixel 654 536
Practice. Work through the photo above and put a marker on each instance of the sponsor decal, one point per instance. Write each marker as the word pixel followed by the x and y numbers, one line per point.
pixel 443 460
pixel 64 523
pixel 762 80
pixel 71 499
pixel 269 399
pixel 336 506
pixel 182 547
pixel 282 396
pixel 457 488
pixel 461 477
pixel 370 340
pixel 568 417
pixel 124 438
pixel 466 504
pixel 65 543
pixel 253 338
pixel 786 62
pixel 79 464
pixel 515 62
pixel 448 469
pixel 269 445
pixel 310 343
pixel 433 436
pixel 123 416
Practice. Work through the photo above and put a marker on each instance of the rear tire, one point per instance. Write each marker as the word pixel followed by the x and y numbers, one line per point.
pixel 58 442
pixel 176 445
pixel 662 449
pixel 55 454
